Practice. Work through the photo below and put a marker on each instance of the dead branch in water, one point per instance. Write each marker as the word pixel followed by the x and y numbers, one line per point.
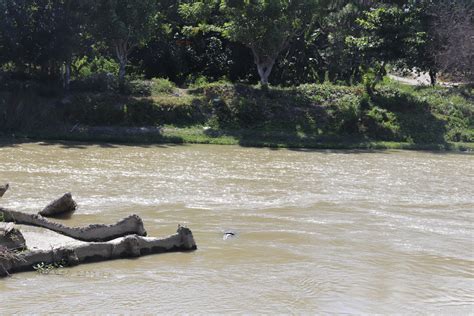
pixel 130 225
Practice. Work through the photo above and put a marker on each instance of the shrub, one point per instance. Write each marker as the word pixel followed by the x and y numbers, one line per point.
pixel 163 110
pixel 140 88
pixel 198 82
pixel 381 124
pixel 344 114
pixel 162 85
pixel 86 67
pixel 146 88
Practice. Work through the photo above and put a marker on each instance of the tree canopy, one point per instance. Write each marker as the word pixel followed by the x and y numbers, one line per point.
pixel 296 41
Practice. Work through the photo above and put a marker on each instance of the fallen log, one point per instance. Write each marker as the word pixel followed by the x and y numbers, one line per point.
pixel 64 205
pixel 128 246
pixel 130 225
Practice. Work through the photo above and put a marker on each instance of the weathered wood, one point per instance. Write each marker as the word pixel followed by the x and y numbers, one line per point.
pixel 130 225
pixel 128 246
pixel 3 189
pixel 60 206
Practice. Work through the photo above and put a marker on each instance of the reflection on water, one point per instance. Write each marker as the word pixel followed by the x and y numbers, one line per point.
pixel 317 231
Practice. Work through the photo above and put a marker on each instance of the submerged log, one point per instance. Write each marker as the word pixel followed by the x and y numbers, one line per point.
pixel 65 204
pixel 11 238
pixel 129 246
pixel 3 189
pixel 130 225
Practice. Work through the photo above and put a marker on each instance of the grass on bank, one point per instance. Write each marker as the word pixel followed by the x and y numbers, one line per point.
pixel 307 116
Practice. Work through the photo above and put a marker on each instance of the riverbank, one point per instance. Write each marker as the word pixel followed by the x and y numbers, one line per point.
pixel 308 116
pixel 203 135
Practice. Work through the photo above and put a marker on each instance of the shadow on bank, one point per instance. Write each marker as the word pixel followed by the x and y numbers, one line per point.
pixel 85 137
pixel 305 117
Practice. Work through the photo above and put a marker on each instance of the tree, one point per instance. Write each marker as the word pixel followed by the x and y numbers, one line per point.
pixel 452 24
pixel 72 36
pixel 390 34
pixel 342 61
pixel 265 26
pixel 42 34
pixel 124 25
pixel 17 45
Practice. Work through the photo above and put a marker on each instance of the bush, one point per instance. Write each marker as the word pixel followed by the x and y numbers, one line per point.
pixel 163 110
pixel 146 88
pixel 197 82
pixel 162 85
pixel 141 88
pixel 381 124
pixel 86 67
pixel 344 114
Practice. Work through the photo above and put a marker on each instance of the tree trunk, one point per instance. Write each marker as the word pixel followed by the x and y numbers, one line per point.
pixel 122 71
pixel 264 66
pixel 129 246
pixel 264 71
pixel 67 74
pixel 432 74
pixel 121 51
pixel 132 224
pixel 380 73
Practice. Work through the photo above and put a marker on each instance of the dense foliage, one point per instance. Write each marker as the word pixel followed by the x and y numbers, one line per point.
pixel 305 113
pixel 289 41
pixel 69 65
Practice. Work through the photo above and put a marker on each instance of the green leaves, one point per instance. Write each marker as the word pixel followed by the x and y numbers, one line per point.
pixel 132 20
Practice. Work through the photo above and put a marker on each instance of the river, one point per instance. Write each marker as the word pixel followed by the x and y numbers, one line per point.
pixel 316 231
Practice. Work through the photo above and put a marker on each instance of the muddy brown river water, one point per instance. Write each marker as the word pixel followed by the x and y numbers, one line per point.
pixel 316 231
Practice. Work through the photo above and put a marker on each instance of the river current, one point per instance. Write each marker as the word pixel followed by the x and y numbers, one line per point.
pixel 316 231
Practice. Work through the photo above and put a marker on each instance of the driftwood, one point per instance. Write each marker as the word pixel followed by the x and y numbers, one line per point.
pixel 65 204
pixel 128 246
pixel 130 225
pixel 3 189
pixel 99 242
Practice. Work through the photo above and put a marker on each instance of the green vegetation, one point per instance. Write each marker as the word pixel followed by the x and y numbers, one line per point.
pixel 186 70
pixel 310 115
pixel 47 268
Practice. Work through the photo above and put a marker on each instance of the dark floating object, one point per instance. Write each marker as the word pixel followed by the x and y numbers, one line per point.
pixel 61 206
pixel 3 189
pixel 228 235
